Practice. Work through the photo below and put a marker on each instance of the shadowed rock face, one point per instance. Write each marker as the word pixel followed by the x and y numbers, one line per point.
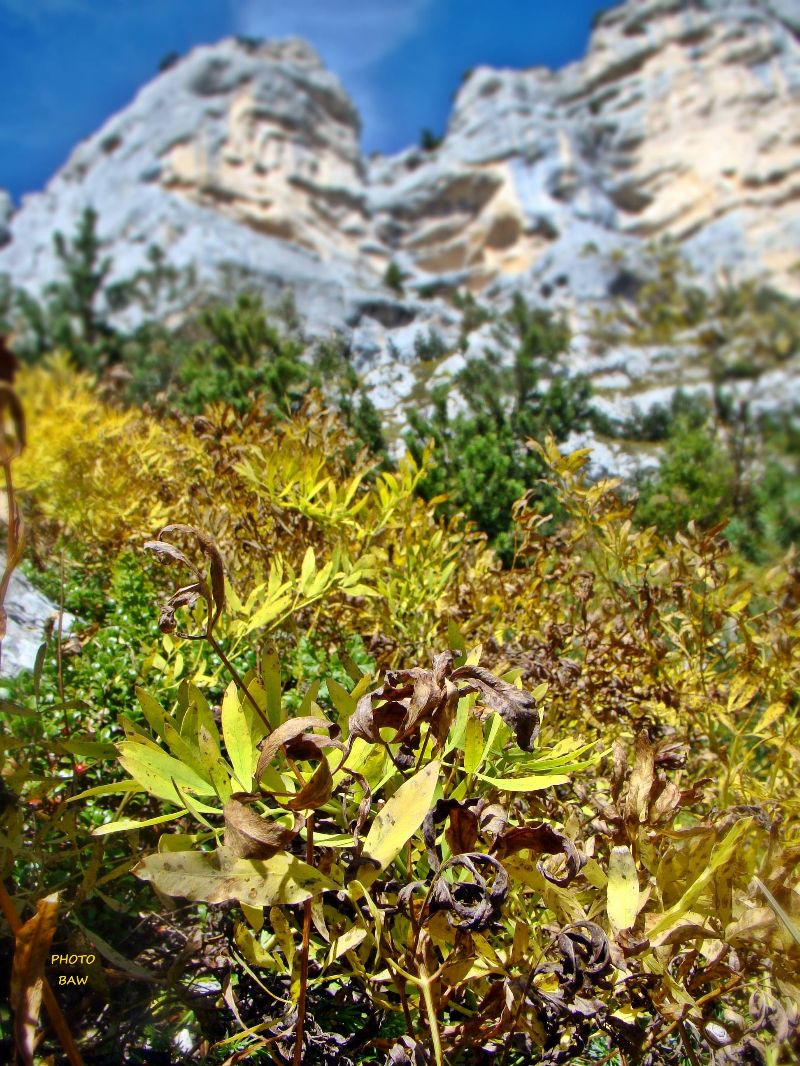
pixel 681 120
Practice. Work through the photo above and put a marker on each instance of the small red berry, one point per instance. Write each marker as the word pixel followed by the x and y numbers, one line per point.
pixel 81 767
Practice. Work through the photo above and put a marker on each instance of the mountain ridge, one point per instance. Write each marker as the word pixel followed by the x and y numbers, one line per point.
pixel 680 122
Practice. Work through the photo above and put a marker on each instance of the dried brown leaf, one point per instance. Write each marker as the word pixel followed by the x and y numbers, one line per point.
pixel 541 839
pixel 32 943
pixel 515 706
pixel 314 793
pixel 251 836
pixel 641 781
pixel 284 733
pixel 186 596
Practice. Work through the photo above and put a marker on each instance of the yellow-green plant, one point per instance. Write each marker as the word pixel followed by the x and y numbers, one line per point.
pixel 490 881
pixel 265 490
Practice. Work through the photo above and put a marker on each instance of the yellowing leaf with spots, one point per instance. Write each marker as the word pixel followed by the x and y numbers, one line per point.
pixel 623 889
pixel 397 822
pixel 213 877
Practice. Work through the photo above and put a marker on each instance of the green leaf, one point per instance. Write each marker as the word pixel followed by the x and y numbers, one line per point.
pixel 531 783
pixel 155 771
pixel 341 699
pixel 399 819
pixel 181 748
pixel 242 729
pixel 305 708
pixel 454 638
pixel 212 878
pixel 10 707
pixel 92 749
pixel 126 824
pixel 283 933
pixel 111 789
pixel 348 941
pixel 271 676
pixel 473 744
pixel 153 712
pixel 38 667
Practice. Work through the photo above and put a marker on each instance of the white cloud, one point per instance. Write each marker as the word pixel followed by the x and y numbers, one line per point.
pixel 351 35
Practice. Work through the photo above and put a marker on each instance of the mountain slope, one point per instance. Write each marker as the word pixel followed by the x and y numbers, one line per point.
pixel 243 160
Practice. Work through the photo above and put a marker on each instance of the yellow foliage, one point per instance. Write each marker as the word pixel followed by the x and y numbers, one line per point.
pixel 265 491
pixel 95 472
pixel 654 664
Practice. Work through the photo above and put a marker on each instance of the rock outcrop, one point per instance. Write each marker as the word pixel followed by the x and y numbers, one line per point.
pixel 681 120
pixel 28 613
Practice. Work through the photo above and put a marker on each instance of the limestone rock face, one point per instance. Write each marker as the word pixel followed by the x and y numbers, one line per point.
pixel 238 156
pixel 243 161
pixel 681 120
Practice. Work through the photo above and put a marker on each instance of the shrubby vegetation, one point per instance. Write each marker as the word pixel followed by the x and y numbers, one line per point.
pixel 481 463
pixel 343 782
pixel 721 462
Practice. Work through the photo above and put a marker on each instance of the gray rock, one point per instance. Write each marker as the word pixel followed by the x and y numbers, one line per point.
pixel 28 612
pixel 6 211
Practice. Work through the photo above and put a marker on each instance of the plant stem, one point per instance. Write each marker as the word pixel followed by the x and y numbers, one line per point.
pixel 237 677
pixel 301 1001
pixel 430 1010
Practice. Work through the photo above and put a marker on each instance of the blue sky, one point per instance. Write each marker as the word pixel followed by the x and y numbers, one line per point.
pixel 68 64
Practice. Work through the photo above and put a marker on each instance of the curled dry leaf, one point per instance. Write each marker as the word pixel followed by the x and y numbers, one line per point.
pixel 641 781
pixel 541 839
pixel 584 958
pixel 12 424
pixel 210 588
pixel 475 904
pixel 248 835
pixel 461 833
pixel 492 820
pixel 515 706
pixel 284 734
pixel 316 792
pixel 408 1052
pixel 410 697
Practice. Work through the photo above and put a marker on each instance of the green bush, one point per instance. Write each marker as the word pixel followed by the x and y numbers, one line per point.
pixel 694 481
pixel 394 278
pixel 481 459
pixel 430 346
pixel 243 354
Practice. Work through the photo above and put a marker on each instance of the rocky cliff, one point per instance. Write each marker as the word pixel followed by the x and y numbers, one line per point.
pixel 682 120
